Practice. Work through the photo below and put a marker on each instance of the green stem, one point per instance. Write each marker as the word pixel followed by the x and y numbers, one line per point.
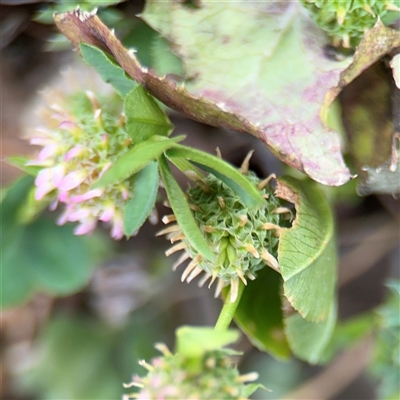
pixel 228 310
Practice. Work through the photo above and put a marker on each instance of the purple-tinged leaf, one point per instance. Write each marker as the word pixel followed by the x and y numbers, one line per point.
pixel 254 67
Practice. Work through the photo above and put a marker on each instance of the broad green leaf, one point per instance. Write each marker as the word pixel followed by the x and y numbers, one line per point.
pixel 271 77
pixel 222 170
pixel 259 314
pixel 139 207
pixel 307 339
pixel 111 72
pixel 307 251
pixel 21 163
pixel 41 256
pixel 193 342
pixel 135 159
pixel 182 212
pixel 144 118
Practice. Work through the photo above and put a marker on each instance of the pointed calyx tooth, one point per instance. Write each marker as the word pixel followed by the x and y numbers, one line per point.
pixel 266 181
pixel 192 265
pixel 218 153
pixel 175 248
pixel 146 365
pixel 234 289
pixel 221 202
pixel 169 229
pixel 341 14
pixel 193 207
pixel 244 168
pixel 163 349
pixel 243 220
pixel 270 226
pixel 213 278
pixel 185 256
pixel 270 260
pixel 218 289
pixel 204 279
pixel 240 275
pixel 175 237
pixel 283 210
pixel 368 9
pixel 250 276
pixel 250 377
pixel 193 274
pixel 168 218
pixel 251 249
pixel 208 229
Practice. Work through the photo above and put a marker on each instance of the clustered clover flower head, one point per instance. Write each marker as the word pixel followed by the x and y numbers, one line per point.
pixel 81 136
pixel 243 240
pixel 346 21
pixel 172 376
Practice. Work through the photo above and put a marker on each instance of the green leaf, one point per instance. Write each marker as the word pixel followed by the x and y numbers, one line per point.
pixel 307 339
pixel 259 314
pixel 182 212
pixel 139 207
pixel 110 72
pixel 193 342
pixel 222 170
pixel 307 251
pixel 144 118
pixel 135 159
pixel 20 163
pixel 41 256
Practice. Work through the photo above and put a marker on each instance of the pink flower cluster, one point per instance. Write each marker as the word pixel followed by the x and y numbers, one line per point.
pixel 76 151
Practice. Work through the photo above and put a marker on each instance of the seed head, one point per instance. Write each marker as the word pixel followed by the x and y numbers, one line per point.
pixel 243 240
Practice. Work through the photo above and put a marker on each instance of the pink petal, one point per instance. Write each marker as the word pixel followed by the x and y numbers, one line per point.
pixel 117 231
pixel 67 125
pixel 63 196
pixel 78 215
pixel 74 152
pixel 48 151
pixel 107 214
pixel 72 180
pixel 42 190
pixel 86 227
pixel 44 176
pixel 86 196
pixel 63 218
pixel 40 141
pixel 58 174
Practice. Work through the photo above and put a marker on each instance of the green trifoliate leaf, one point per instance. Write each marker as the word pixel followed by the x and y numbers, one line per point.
pixel 111 72
pixel 182 212
pixel 307 252
pixel 144 118
pixel 193 342
pixel 135 159
pixel 141 204
pixel 307 339
pixel 226 173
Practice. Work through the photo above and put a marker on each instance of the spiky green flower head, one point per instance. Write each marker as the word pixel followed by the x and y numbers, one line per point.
pixel 345 21
pixel 172 376
pixel 243 240
pixel 81 135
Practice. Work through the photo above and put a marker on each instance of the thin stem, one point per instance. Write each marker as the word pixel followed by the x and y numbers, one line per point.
pixel 228 310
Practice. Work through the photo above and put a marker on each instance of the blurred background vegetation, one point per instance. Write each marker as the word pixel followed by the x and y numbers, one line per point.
pixel 76 331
